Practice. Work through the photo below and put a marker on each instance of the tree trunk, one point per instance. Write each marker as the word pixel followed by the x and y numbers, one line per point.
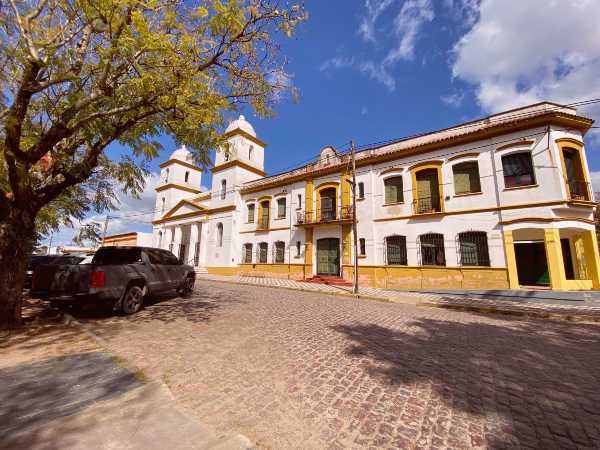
pixel 16 239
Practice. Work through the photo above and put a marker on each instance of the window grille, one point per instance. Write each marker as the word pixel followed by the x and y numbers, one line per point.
pixel 251 208
pixel 395 250
pixel 466 177
pixel 279 252
pixel 247 253
pixel 473 247
pixel 393 190
pixel 432 249
pixel 263 249
pixel 518 170
pixel 281 207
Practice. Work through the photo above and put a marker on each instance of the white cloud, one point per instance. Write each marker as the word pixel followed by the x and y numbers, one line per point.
pixel 339 62
pixel 521 52
pixel 407 25
pixel 454 99
pixel 282 83
pixel 404 32
pixel 374 8
pixel 131 214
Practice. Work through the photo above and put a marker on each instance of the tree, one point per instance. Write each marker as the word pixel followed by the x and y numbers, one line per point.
pixel 88 233
pixel 80 75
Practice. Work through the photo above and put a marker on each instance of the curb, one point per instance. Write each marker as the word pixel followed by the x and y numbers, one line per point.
pixel 528 314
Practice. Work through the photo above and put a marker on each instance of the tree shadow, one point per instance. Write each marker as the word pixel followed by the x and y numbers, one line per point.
pixel 34 394
pixel 532 382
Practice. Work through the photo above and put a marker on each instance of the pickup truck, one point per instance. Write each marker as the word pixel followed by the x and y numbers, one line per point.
pixel 118 276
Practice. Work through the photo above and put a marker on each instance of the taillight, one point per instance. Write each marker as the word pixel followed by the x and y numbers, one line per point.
pixel 97 279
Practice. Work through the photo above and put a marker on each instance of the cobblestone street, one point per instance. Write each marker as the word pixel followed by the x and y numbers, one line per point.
pixel 294 369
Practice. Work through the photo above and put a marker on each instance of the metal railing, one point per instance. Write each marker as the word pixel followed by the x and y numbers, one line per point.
pixel 262 223
pixel 579 190
pixel 427 205
pixel 324 215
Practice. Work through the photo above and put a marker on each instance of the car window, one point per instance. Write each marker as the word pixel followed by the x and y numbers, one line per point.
pixel 117 255
pixel 169 258
pixel 155 256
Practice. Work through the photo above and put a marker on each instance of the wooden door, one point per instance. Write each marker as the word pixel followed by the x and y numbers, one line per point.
pixel 328 256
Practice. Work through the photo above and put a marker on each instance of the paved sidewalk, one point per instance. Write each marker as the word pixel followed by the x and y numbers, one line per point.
pixel 59 390
pixel 585 309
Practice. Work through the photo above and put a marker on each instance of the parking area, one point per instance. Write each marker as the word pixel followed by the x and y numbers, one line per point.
pixel 292 369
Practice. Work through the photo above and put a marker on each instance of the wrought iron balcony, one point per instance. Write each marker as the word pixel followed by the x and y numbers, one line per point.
pixel 325 215
pixel 427 205
pixel 579 190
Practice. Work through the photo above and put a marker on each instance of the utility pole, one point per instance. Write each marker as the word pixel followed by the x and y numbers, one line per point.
pixel 354 232
pixel 104 230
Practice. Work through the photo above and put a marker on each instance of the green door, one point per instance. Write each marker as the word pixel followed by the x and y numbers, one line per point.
pixel 328 256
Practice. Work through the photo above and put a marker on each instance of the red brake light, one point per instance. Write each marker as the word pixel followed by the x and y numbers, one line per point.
pixel 97 279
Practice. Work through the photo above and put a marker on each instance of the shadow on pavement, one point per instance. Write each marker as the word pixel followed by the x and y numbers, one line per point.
pixel 33 394
pixel 537 383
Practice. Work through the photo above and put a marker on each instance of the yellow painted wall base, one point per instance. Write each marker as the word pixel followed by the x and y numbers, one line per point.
pixel 394 277
pixel 293 271
pixel 228 271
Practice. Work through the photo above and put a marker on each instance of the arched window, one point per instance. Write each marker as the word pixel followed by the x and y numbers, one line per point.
pixel 219 234
pixel 223 189
pixel 251 209
pixel 263 249
pixel 432 249
pixel 518 170
pixel 279 252
pixel 247 252
pixel 250 152
pixel 187 176
pixel 393 190
pixel 473 248
pixel 298 248
pixel 466 178
pixel 160 236
pixel 395 250
pixel 163 204
pixel 166 177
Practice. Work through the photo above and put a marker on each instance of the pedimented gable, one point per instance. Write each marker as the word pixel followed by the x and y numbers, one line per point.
pixel 183 207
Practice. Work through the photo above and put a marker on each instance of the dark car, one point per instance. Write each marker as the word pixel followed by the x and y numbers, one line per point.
pixel 38 260
pixel 118 276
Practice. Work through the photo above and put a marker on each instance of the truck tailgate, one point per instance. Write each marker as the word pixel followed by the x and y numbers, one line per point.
pixel 60 280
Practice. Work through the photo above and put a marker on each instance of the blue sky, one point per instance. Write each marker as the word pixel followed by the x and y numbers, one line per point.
pixel 373 70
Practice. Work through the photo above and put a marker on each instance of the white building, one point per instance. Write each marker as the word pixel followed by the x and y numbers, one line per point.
pixel 499 202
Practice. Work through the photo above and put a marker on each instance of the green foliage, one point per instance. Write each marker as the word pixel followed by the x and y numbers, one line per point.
pixel 79 75
pixel 88 233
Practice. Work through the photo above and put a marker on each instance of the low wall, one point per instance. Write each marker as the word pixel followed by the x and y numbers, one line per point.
pixel 287 271
pixel 404 277
pixel 399 277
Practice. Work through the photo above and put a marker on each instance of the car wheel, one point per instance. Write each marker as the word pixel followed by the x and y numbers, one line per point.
pixel 188 287
pixel 132 300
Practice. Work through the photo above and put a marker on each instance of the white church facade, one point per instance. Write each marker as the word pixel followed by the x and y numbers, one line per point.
pixel 501 202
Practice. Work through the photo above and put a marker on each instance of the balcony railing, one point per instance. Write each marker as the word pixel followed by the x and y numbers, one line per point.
pixel 579 190
pixel 325 215
pixel 262 223
pixel 427 205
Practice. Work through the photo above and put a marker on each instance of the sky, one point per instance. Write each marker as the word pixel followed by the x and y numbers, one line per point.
pixel 375 70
